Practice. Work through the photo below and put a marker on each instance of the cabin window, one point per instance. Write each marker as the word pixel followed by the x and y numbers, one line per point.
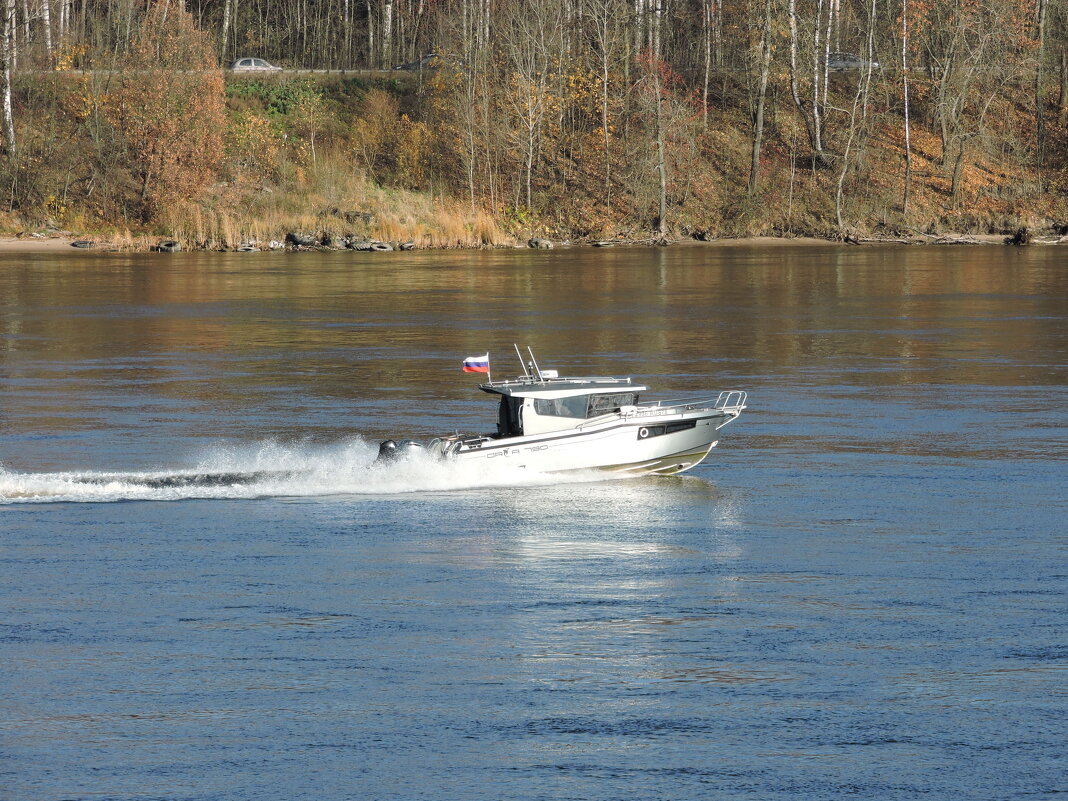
pixel 561 407
pixel 606 404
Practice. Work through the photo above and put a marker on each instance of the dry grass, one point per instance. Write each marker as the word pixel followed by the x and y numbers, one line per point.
pixel 328 198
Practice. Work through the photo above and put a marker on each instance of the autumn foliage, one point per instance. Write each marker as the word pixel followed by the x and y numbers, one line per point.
pixel 583 118
pixel 169 109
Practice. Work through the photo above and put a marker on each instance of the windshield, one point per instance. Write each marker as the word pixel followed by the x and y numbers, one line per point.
pixel 606 404
pixel 584 405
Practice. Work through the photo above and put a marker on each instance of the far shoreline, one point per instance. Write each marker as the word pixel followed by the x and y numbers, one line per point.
pixel 64 244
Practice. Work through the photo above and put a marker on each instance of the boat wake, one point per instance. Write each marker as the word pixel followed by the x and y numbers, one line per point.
pixel 271 470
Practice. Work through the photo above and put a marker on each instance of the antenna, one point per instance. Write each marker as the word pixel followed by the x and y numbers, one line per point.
pixel 535 363
pixel 521 363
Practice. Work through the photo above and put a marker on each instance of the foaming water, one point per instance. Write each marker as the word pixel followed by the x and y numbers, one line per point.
pixel 272 470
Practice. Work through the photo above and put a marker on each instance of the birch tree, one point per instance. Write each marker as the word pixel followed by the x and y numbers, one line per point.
pixel 860 101
pixel 604 16
pixel 8 59
pixel 529 30
pixel 905 98
pixel 763 68
pixel 46 26
pixel 807 106
pixel 1040 52
pixel 227 6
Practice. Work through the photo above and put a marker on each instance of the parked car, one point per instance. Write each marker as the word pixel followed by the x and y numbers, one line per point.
pixel 840 62
pixel 257 64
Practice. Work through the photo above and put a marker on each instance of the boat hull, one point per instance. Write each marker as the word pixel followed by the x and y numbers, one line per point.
pixel 632 447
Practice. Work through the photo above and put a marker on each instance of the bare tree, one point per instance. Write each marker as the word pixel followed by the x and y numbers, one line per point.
pixel 604 16
pixel 1062 95
pixel 387 33
pixel 819 78
pixel 227 6
pixel 529 30
pixel 639 26
pixel 652 96
pixel 905 91
pixel 25 23
pixel 1040 38
pixel 661 158
pixel 46 25
pixel 655 26
pixel 807 110
pixel 8 59
pixel 860 101
pixel 764 67
pixel 706 29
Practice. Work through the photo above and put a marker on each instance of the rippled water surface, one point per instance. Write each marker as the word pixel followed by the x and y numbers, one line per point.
pixel 205 592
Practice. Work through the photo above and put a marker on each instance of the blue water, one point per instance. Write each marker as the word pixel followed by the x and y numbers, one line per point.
pixel 862 594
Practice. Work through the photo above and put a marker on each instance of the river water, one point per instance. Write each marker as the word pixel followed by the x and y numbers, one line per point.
pixel 862 594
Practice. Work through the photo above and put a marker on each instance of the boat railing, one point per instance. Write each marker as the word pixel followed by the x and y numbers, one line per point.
pixel 561 380
pixel 731 401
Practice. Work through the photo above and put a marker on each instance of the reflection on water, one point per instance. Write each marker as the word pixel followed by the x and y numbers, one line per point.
pixel 294 344
pixel 860 594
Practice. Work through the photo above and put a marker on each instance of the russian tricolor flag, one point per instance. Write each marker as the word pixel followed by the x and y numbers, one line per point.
pixel 477 364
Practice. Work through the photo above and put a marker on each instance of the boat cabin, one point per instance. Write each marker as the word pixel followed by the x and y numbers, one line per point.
pixel 532 406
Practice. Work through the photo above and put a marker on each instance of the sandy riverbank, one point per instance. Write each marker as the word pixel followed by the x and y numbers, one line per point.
pixel 57 244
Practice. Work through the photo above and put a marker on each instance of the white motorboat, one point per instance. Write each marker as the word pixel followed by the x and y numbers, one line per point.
pixel 548 423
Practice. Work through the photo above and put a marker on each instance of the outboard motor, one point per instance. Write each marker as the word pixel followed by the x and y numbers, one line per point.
pixel 390 451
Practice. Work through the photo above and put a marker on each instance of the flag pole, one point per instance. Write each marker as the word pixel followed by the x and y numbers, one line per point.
pixel 489 370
